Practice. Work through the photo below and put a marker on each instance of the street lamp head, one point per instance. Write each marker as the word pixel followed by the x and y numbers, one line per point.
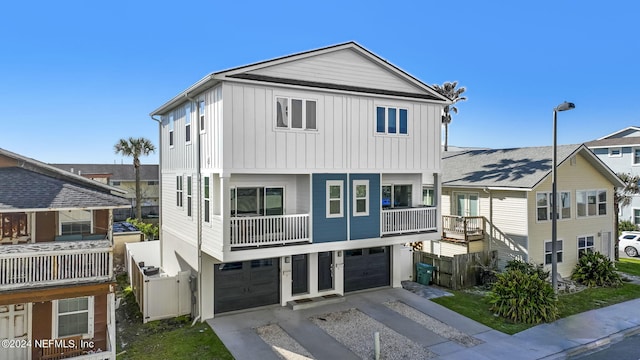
pixel 565 106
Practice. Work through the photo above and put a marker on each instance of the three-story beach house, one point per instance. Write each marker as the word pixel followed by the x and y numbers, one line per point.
pixel 298 178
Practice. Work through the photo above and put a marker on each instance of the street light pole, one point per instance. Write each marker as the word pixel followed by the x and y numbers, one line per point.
pixel 554 196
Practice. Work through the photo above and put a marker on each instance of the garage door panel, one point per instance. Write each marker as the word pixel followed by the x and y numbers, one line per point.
pixel 366 268
pixel 250 284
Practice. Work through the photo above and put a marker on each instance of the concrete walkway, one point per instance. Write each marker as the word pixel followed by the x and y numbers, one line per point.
pixel 564 338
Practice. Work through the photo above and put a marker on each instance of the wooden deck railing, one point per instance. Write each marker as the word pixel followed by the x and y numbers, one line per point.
pixel 269 230
pixel 398 221
pixel 49 264
pixel 464 228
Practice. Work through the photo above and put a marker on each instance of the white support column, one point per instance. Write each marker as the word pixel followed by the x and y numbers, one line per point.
pixel 285 279
pixel 338 271
pixel 313 273
pixel 111 323
pixel 205 293
pixel 396 266
pixel 225 210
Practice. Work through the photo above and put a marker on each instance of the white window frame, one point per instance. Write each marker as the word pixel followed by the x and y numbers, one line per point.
pixel 172 138
pixel 60 221
pixel 201 115
pixel 615 152
pixel 262 191
pixel 331 183
pixel 549 208
pixel 188 134
pixel 432 190
pixel 90 321
pixel 455 208
pixel 189 196
pixel 386 120
pixel 633 156
pixel 393 195
pixel 559 251
pixel 179 191
pixel 357 183
pixel 598 202
pixel 288 113
pixel 206 195
pixel 586 247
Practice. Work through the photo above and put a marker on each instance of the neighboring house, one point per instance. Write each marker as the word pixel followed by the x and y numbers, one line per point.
pixel 298 177
pixel 57 289
pixel 123 176
pixel 501 200
pixel 621 152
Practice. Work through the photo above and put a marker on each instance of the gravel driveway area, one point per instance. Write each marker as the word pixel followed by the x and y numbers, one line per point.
pixel 355 330
pixel 282 344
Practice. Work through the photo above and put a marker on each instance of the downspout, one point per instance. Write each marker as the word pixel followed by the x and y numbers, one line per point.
pixel 159 121
pixel 199 202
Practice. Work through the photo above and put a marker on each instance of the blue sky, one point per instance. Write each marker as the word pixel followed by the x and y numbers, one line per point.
pixel 76 76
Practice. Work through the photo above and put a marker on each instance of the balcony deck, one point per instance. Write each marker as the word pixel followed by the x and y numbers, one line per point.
pixel 253 231
pixel 408 220
pixel 463 228
pixel 55 263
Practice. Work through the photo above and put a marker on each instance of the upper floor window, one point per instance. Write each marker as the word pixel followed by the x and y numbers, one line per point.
pixel 636 156
pixel 428 194
pixel 201 115
pixel 187 123
pixel 334 198
pixel 396 196
pixel 13 225
pixel 544 208
pixel 391 120
pixel 252 201
pixel 179 191
pixel 171 130
pixel 591 202
pixel 615 152
pixel 207 200
pixel 75 222
pixel 360 197
pixel 73 317
pixel 294 113
pixel 188 195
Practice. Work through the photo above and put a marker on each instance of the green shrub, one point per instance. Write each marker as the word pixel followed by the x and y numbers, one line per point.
pixel 626 225
pixel 527 268
pixel 523 297
pixel 594 269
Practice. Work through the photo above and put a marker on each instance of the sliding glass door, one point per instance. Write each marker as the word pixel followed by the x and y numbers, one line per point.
pixel 256 201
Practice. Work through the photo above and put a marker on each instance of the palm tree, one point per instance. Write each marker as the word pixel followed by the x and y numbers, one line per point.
pixel 135 147
pixel 623 198
pixel 449 90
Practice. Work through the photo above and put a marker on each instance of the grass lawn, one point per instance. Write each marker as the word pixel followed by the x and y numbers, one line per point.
pixel 629 266
pixel 476 306
pixel 162 339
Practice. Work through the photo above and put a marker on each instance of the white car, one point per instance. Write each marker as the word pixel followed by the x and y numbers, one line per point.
pixel 630 243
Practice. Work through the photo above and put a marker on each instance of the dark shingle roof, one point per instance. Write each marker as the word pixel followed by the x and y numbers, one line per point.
pixel 628 141
pixel 508 168
pixel 25 189
pixel 118 172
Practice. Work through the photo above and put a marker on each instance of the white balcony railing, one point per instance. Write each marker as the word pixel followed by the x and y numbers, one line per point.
pixel 269 230
pixel 54 263
pixel 398 221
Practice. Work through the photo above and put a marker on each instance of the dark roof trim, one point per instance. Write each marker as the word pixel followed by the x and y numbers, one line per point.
pixel 322 85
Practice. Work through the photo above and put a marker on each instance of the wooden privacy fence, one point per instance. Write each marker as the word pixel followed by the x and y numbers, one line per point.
pixel 457 272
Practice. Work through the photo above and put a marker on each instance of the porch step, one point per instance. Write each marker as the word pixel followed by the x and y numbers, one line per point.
pixel 307 303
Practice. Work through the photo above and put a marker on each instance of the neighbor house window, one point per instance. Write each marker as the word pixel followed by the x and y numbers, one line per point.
pixel 391 120
pixel 636 156
pixel 544 208
pixel 591 202
pixel 636 217
pixel 75 222
pixel 396 196
pixel 334 198
pixel 73 317
pixel 428 196
pixel 152 182
pixel 115 183
pixel 179 191
pixel 294 113
pixel 547 252
pixel 13 225
pixel 615 152
pixel 207 200
pixel 171 130
pixel 585 244
pixel 201 114
pixel 360 197
pixel 188 195
pixel 187 123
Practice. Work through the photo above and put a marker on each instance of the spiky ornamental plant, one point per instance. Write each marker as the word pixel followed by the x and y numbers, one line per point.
pixel 594 269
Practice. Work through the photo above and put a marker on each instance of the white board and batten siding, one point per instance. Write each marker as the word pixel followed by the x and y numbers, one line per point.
pixel 344 67
pixel 345 139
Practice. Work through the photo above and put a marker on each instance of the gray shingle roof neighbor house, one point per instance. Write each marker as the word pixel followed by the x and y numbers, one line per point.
pixel 25 189
pixel 116 172
pixel 517 168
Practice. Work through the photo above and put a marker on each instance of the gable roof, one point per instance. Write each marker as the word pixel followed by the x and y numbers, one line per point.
pixel 49 170
pixel 628 129
pixel 517 168
pixel 115 172
pixel 353 58
pixel 24 189
pixel 614 142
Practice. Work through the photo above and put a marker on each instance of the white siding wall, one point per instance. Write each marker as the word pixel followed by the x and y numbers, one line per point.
pixel 211 139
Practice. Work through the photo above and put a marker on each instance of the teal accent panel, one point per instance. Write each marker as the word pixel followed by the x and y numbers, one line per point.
pixel 366 227
pixel 328 229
